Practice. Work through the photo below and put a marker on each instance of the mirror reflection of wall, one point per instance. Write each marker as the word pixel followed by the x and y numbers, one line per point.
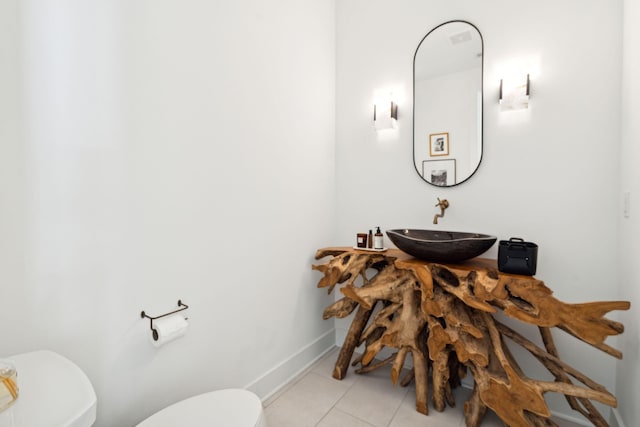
pixel 447 141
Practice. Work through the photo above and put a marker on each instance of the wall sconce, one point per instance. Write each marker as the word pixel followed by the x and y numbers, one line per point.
pixel 385 115
pixel 514 93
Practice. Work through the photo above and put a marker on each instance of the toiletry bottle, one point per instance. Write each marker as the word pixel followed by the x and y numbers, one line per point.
pixel 8 384
pixel 370 240
pixel 377 240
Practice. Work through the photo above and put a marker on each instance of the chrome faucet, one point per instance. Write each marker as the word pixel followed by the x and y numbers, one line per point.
pixel 443 204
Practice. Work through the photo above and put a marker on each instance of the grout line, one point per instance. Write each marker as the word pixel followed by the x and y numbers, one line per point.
pixel 272 396
pixel 297 378
pixel 338 400
pixel 397 409
pixel 407 390
pixel 359 378
pixel 332 352
pixel 346 413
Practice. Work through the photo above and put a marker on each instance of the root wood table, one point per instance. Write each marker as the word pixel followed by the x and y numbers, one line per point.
pixel 442 314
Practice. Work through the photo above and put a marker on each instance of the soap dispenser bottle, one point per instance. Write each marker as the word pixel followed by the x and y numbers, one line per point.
pixel 377 240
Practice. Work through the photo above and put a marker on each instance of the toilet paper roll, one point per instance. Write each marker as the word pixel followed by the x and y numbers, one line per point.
pixel 167 329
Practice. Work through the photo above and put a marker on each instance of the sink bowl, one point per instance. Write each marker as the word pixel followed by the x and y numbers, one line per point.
pixel 441 246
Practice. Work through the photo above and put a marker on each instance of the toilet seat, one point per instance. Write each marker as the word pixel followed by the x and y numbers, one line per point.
pixel 228 408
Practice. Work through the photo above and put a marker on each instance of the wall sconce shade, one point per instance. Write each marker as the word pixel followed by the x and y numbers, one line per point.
pixel 514 93
pixel 385 116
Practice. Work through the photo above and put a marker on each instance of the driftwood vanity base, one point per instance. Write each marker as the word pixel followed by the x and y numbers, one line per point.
pixel 442 316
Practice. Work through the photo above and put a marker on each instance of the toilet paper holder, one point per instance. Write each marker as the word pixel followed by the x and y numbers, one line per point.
pixel 151 319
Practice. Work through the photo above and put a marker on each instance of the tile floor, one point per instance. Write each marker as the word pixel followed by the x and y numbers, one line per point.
pixel 316 399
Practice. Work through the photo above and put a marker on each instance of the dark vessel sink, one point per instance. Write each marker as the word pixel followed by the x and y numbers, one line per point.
pixel 441 246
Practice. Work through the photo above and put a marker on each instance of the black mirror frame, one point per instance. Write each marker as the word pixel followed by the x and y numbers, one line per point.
pixel 413 151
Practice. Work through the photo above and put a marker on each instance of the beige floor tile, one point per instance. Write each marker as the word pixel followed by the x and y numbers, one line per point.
pixel 373 398
pixel 325 367
pixel 316 367
pixel 316 399
pixel 306 402
pixel 337 418
pixel 407 416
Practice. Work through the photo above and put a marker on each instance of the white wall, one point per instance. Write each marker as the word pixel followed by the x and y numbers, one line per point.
pixel 549 174
pixel 150 152
pixel 12 170
pixel 628 370
pixel 165 151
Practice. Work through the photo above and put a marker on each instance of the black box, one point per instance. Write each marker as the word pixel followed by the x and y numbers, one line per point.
pixel 516 256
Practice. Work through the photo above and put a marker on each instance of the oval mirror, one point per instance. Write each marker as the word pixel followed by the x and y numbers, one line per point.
pixel 447 104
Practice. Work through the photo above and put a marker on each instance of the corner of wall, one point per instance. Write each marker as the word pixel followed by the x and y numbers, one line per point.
pixel 615 419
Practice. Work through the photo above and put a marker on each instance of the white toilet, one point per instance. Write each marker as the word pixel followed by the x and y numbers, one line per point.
pixel 53 392
pixel 221 408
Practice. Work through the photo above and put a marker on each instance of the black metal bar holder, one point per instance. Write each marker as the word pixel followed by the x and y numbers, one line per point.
pixel 151 319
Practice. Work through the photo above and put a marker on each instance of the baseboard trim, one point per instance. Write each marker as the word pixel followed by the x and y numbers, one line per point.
pixel 284 372
pixel 616 419
pixel 574 420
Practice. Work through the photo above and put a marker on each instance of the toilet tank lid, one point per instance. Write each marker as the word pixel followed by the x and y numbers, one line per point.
pixel 53 392
pixel 229 408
